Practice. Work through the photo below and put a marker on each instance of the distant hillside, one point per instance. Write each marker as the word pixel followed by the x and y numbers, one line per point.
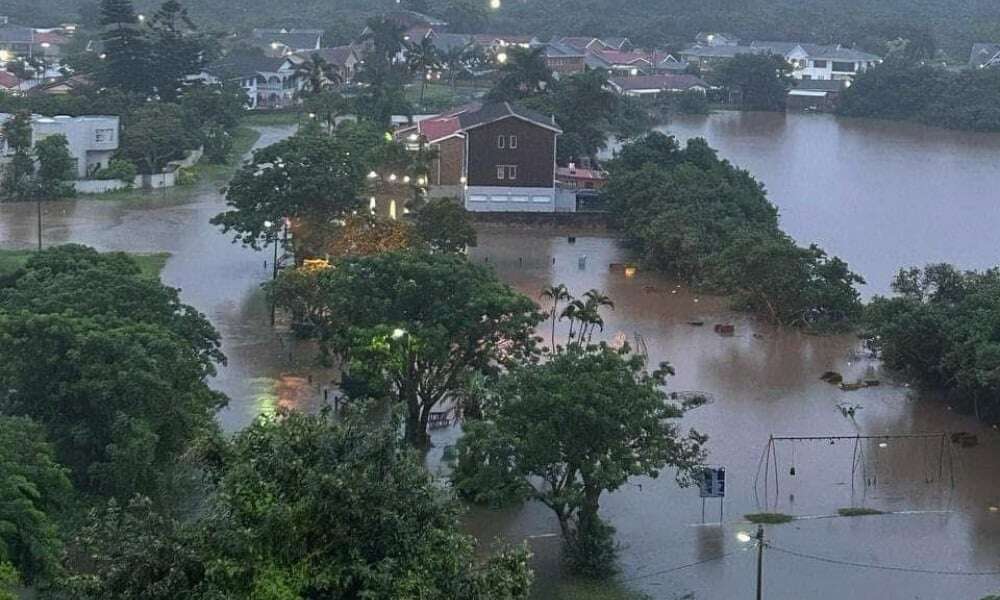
pixel 955 24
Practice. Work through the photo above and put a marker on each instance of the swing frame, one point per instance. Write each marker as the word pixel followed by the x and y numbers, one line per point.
pixel 769 458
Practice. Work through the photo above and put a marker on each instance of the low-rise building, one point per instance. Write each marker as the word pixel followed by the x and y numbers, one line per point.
pixel 651 85
pixel 496 157
pixel 984 56
pixel 575 177
pixel 269 81
pixel 713 38
pixel 92 140
pixel 809 61
pixel 821 95
pixel 563 59
pixel 344 60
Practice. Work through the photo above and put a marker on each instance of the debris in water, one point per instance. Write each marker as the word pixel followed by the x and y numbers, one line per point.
pixel 965 439
pixel 725 329
pixel 832 377
pixel 852 387
pixel 696 323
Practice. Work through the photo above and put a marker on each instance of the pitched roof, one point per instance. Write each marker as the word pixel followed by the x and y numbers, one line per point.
pixel 617 57
pixel 245 64
pixel 445 42
pixel 616 42
pixel 337 55
pixel 496 111
pixel 9 80
pixel 295 39
pixel 409 18
pixel 666 82
pixel 983 55
pixel 561 50
pixel 487 39
pixel 814 51
pixel 580 43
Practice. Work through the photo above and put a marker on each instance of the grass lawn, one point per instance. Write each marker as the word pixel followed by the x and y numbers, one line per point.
pixel 582 590
pixel 769 518
pixel 149 264
pixel 264 118
pixel 440 96
pixel 214 175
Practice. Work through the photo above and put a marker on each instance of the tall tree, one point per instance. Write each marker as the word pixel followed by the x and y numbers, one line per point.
pixel 55 167
pixel 176 49
pixel 318 75
pixel 761 80
pixel 429 322
pixel 156 134
pixel 444 225
pixel 128 63
pixel 312 507
pixel 421 58
pixel 574 427
pixel 523 74
pixel 311 179
pixel 18 174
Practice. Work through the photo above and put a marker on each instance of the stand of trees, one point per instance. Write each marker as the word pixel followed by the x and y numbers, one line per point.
pixel 908 91
pixel 699 218
pixel 940 330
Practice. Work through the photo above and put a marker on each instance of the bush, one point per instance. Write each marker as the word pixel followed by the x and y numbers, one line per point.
pixel 186 177
pixel 691 102
pixel 119 169
pixel 591 550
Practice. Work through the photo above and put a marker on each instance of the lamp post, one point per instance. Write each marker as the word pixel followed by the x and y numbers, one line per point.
pixel 746 538
pixel 274 263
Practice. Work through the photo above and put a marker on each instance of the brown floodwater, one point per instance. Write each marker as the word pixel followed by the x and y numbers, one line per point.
pixel 762 381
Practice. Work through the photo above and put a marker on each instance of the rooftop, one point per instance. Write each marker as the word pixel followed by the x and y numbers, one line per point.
pixel 295 39
pixel 245 64
pixel 668 81
pixel 502 110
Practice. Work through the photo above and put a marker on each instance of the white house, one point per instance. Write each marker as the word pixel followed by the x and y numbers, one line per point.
pixel 651 85
pixel 92 140
pixel 269 82
pixel 809 61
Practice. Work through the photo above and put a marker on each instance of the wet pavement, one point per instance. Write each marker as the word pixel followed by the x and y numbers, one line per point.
pixel 762 382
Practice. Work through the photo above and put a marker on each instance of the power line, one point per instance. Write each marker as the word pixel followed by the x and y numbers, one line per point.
pixel 678 568
pixel 848 563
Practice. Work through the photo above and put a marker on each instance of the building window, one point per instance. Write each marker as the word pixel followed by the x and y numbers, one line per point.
pixel 500 143
pixel 819 64
pixel 513 142
pixel 844 67
pixel 501 170
pixel 104 135
pixel 512 172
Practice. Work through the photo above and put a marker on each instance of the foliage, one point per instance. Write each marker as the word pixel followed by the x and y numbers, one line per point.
pixel 524 74
pixel 176 49
pixel 429 322
pixel 55 166
pixel 156 134
pixel 111 363
pixel 857 511
pixel 791 285
pixel 365 236
pixel 769 518
pixel 761 80
pixel 905 90
pixel 445 226
pixel 128 61
pixel 317 75
pixel 382 74
pixel 699 218
pixel 132 552
pixel 421 59
pixel 214 105
pixel 17 175
pixel 8 579
pixel 309 178
pixel 941 330
pixel 569 429
pixel 33 488
pixel 691 102
pixel 311 507
pixel 119 169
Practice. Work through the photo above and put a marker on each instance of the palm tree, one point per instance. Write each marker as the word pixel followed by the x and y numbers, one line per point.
pixel 385 37
pixel 574 311
pixel 594 301
pixel 318 75
pixel 524 74
pixel 556 294
pixel 455 59
pixel 421 58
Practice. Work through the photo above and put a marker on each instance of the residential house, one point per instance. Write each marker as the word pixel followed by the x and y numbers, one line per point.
pixel 620 44
pixel 498 157
pixel 282 42
pixel 16 40
pixel 92 140
pixel 10 84
pixel 63 85
pixel 577 177
pixel 705 38
pixel 984 56
pixel 564 59
pixel 809 61
pixel 269 82
pixel 497 41
pixel 820 95
pixel 344 59
pixel 651 85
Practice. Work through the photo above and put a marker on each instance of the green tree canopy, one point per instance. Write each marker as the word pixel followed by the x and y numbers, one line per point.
pixel 569 429
pixel 762 80
pixel 156 134
pixel 445 226
pixel 311 178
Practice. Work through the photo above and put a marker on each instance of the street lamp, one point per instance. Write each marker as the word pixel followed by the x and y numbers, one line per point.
pixel 746 538
pixel 502 58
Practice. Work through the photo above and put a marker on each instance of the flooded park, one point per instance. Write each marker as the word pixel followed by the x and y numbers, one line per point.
pixel 880 195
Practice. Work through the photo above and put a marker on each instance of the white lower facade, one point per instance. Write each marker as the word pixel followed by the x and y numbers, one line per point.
pixel 510 199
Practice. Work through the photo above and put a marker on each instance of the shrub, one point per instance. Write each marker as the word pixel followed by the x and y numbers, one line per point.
pixel 122 170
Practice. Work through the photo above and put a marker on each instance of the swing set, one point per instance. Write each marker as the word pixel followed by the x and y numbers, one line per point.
pixel 768 466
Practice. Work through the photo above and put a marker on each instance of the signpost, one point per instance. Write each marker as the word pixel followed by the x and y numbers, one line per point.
pixel 711 484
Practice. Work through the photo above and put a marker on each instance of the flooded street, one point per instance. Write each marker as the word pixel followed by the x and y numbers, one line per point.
pixel 881 196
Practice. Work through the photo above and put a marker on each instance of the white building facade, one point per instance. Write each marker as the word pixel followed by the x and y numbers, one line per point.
pixel 92 140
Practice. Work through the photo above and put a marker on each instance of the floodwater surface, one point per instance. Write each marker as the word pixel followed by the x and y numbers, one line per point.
pixel 881 195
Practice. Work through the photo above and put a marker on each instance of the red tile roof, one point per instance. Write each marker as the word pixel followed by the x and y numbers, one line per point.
pixel 438 128
pixel 580 173
pixel 8 80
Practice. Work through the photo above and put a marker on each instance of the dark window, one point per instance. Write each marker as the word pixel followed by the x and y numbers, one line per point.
pixel 512 172
pixel 501 141
pixel 819 64
pixel 844 67
pixel 513 142
pixel 500 171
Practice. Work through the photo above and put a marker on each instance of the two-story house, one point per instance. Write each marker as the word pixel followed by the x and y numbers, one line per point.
pixel 808 61
pixel 91 140
pixel 269 82
pixel 496 157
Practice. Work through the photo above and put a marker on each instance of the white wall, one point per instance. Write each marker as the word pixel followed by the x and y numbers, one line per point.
pixel 510 199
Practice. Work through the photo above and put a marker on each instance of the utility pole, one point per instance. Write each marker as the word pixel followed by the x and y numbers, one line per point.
pixel 760 561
